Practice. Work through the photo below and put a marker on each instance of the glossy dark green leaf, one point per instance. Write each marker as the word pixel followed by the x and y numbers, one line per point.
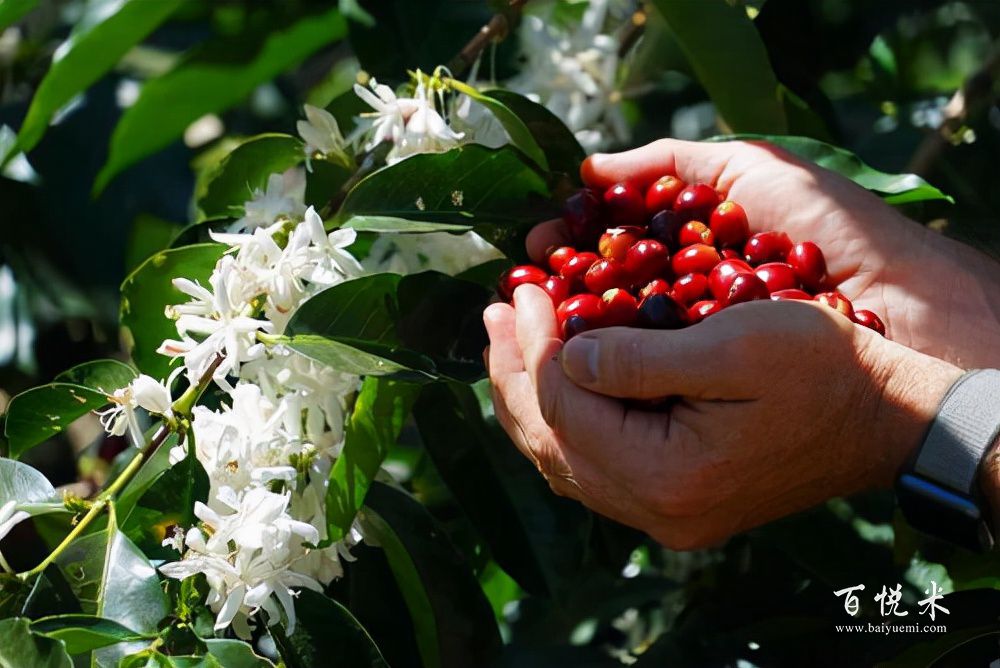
pixel 27 486
pixel 730 60
pixel 415 327
pixel 40 413
pixel 453 621
pixel 212 79
pixel 147 476
pixel 893 188
pixel 150 658
pixel 236 654
pixel 518 132
pixel 169 502
pixel 11 11
pixel 50 595
pixel 112 579
pixel 496 190
pixel 105 32
pixel 83 633
pixel 224 188
pixel 148 291
pixel 324 628
pixel 538 538
pixel 400 225
pixel 23 649
pixel 374 425
pixel 102 375
pixel 324 181
pixel 562 151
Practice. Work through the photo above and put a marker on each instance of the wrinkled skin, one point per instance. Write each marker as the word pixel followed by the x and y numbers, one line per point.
pixel 781 404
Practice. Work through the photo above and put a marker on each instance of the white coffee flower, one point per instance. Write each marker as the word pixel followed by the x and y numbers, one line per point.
pixel 9 516
pixel 268 205
pixel 145 392
pixel 320 132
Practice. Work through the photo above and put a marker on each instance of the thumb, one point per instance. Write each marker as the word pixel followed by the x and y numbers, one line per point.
pixel 691 161
pixel 698 362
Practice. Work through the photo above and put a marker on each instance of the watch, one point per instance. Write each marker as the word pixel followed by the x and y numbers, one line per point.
pixel 938 491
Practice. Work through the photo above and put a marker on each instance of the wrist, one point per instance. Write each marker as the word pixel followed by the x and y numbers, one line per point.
pixel 913 385
pixel 989 485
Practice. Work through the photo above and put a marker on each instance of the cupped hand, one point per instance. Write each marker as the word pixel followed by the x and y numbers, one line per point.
pixel 936 295
pixel 782 405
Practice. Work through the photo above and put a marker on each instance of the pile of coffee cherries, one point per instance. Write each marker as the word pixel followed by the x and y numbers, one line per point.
pixel 669 258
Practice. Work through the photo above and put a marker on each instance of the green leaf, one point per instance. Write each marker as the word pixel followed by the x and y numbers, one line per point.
pixel 224 188
pixel 237 654
pixel 496 190
pixel 150 658
pixel 730 60
pixel 23 649
pixel 536 537
pixel 324 628
pixel 385 324
pixel 893 188
pixel 147 476
pixel 324 181
pixel 112 579
pixel 518 132
pixel 148 290
pixel 453 621
pixel 379 412
pixel 50 595
pixel 169 501
pixel 11 11
pixel 383 224
pixel 40 413
pixel 83 633
pixel 212 79
pixel 102 375
pixel 32 490
pixel 562 151
pixel 105 32
pixel 148 235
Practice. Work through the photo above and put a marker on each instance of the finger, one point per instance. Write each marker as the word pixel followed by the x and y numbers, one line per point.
pixel 504 353
pixel 707 361
pixel 692 162
pixel 544 236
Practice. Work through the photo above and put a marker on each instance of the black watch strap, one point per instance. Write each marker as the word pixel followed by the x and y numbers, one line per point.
pixel 939 493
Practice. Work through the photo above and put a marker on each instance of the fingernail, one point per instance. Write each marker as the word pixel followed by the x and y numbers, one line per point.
pixel 579 359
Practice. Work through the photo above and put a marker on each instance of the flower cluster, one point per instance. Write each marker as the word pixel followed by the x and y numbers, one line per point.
pixel 269 448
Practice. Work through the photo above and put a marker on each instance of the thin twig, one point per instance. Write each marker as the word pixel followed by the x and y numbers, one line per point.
pixel 495 30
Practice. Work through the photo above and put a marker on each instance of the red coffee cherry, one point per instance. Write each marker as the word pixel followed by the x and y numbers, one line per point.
pixel 620 308
pixel 606 274
pixel 701 310
pixel 662 194
pixel 575 325
pixel 646 260
pixel 809 264
pixel 587 306
pixel 558 256
pixel 722 275
pixel 519 275
pixel 777 276
pixel 689 288
pixel 746 287
pixel 729 223
pixel 696 202
pixel 767 247
pixel 657 286
pixel 837 302
pixel 557 288
pixel 695 232
pixel 616 241
pixel 661 312
pixel 665 226
pixel 696 259
pixel 584 215
pixel 868 319
pixel 577 266
pixel 793 293
pixel 625 204
pixel 731 254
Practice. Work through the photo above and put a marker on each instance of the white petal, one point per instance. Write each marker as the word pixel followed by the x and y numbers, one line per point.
pixel 230 607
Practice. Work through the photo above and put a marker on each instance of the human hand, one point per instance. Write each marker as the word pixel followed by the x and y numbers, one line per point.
pixel 935 295
pixel 782 405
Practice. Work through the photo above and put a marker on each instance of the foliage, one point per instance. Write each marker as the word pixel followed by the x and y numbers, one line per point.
pixel 466 558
